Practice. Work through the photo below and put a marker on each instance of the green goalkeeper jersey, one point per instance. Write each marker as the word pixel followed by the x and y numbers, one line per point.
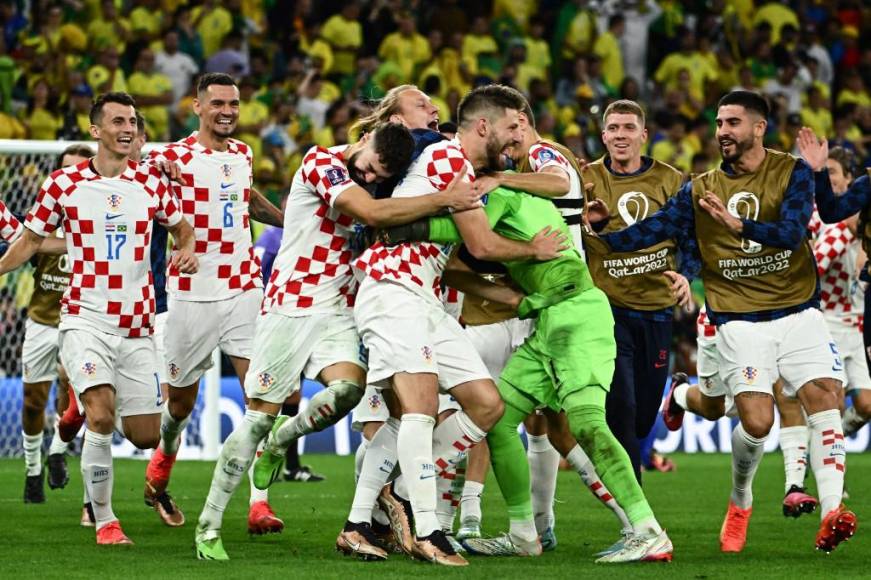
pixel 520 216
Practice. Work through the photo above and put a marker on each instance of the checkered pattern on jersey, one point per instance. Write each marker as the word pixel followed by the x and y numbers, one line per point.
pixel 110 289
pixel 313 266
pixel 834 267
pixel 542 155
pixel 10 227
pixel 704 327
pixel 222 226
pixel 419 263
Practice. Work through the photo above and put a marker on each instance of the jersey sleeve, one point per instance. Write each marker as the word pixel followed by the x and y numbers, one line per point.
pixel 542 155
pixel 168 213
pixel 45 216
pixel 830 245
pixel 10 227
pixel 444 165
pixel 326 173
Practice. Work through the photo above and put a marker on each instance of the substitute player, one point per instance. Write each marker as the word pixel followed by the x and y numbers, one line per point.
pixel 217 306
pixel 107 205
pixel 760 286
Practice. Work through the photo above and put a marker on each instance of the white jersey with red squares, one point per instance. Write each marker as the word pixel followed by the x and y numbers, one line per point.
pixel 837 250
pixel 10 227
pixel 542 156
pixel 312 270
pixel 705 329
pixel 418 266
pixel 107 224
pixel 215 202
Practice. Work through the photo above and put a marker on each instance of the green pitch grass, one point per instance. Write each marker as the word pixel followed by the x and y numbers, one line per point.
pixel 46 541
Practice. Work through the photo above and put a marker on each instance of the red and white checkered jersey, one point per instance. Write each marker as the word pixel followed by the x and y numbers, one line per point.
pixel 815 224
pixel 452 299
pixel 542 156
pixel 705 329
pixel 215 202
pixel 10 227
pixel 312 270
pixel 418 266
pixel 836 250
pixel 107 224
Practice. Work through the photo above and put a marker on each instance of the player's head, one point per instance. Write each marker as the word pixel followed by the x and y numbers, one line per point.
pixel 139 141
pixel 217 105
pixel 113 122
pixel 73 155
pixel 623 131
pixel 842 168
pixel 404 104
pixel 489 122
pixel 741 122
pixel 527 128
pixel 381 154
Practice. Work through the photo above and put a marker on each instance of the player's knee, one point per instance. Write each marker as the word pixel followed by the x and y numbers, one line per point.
pixel 34 402
pixel 862 403
pixel 180 408
pixel 713 408
pixel 758 427
pixel 144 440
pixel 101 420
pixel 491 411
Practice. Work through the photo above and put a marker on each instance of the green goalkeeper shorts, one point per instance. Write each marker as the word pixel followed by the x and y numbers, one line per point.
pixel 573 347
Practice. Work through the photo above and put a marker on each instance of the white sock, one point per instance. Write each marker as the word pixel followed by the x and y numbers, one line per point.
pixel 582 464
pixel 359 456
pixel 853 421
pixel 57 446
pixel 828 458
pixel 99 475
pixel 747 452
pixel 171 430
pixel 399 487
pixel 452 440
pixel 414 448
pixel 680 394
pixel 470 504
pixel 236 456
pixel 523 529
pixel 793 444
pixel 378 464
pixel 32 453
pixel 543 466
pixel 256 494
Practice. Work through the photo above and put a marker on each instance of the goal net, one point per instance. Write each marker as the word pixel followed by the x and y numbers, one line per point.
pixel 23 167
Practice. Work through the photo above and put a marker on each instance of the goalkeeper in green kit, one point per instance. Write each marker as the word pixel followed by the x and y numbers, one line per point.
pixel 566 364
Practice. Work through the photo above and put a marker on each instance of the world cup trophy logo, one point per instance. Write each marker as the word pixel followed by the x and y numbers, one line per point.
pixel 633 207
pixel 745 205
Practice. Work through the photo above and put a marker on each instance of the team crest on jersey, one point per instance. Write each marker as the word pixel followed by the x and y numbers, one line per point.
pixel 174 371
pixel 89 369
pixel 265 380
pixel 545 155
pixel 226 171
pixel 336 175
pixel 114 202
pixel 427 354
pixel 750 374
pixel 374 402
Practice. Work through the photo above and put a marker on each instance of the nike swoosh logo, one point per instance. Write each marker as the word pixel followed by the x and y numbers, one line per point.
pixel 226 185
pixel 111 216
pixel 658 365
pixel 385 470
pixel 427 476
pixel 100 481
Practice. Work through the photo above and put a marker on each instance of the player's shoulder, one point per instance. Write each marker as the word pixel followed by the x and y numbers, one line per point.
pixel 181 151
pixel 318 155
pixel 544 152
pixel 238 147
pixel 66 177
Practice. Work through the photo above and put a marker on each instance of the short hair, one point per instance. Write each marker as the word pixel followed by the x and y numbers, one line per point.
pixel 616 19
pixel 210 79
pixel 626 106
pixel 394 146
pixel 750 100
pixel 96 114
pixel 78 149
pixel 140 124
pixel 488 101
pixel 846 158
pixel 527 112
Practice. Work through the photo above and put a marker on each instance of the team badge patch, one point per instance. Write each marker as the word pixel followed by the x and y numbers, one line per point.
pixel 265 381
pixel 750 374
pixel 114 202
pixel 374 402
pixel 336 175
pixel 427 354
pixel 89 369
pixel 174 371
pixel 545 155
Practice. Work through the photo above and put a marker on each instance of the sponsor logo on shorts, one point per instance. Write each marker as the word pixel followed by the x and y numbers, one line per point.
pixel 427 354
pixel 750 374
pixel 265 381
pixel 709 383
pixel 375 402
pixel 838 364
pixel 174 371
pixel 114 202
pixel 89 369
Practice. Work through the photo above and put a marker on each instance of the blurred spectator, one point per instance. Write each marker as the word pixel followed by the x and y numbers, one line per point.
pixel 146 19
pixel 178 66
pixel 107 75
pixel 479 48
pixel 40 118
pixel 854 91
pixel 607 47
pixel 816 114
pixel 787 86
pixel 212 22
pixel 448 17
pixel 345 36
pixel 253 115
pixel 406 47
pixel 76 121
pixel 189 40
pixel 230 59
pixel 153 93
pixel 109 29
pixel 777 15
pixel 688 61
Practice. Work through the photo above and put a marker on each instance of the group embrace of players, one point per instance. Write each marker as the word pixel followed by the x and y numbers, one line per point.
pixel 448 299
